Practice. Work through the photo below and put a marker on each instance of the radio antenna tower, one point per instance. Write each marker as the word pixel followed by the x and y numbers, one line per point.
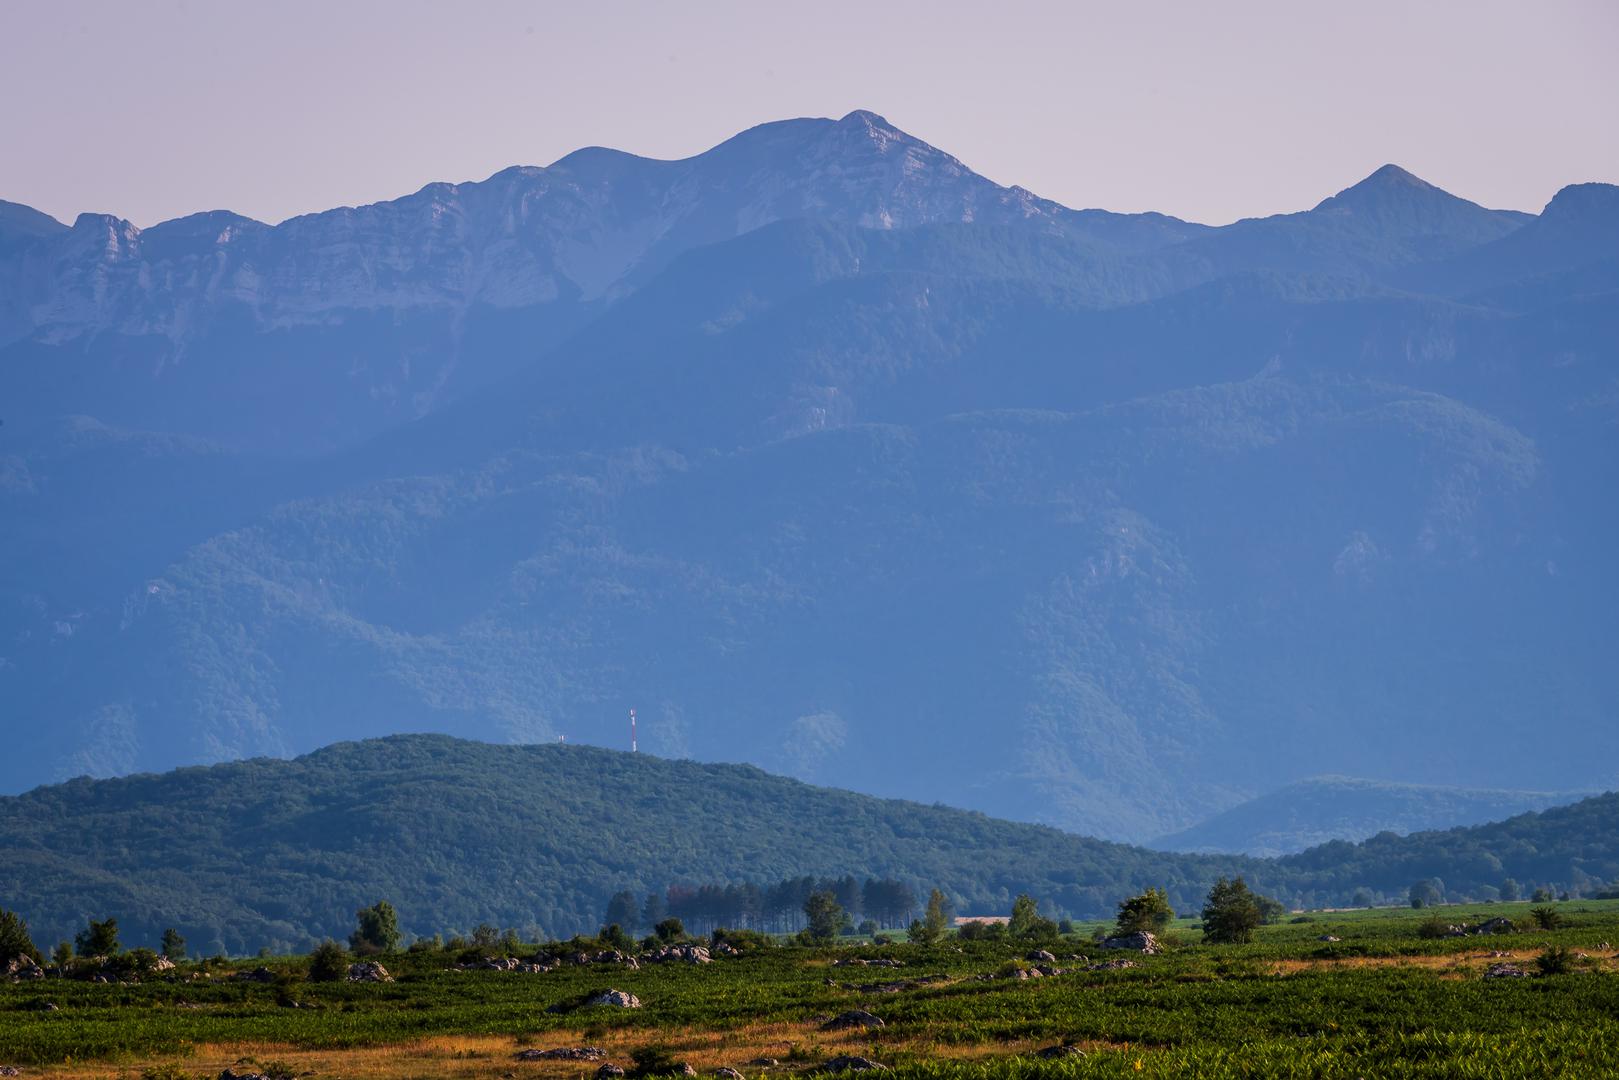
pixel 633 748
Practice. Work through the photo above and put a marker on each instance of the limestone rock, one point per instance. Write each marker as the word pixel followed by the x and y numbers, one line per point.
pixel 618 999
pixel 1142 941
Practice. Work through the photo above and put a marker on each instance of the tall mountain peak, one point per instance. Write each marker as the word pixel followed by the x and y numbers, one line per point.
pixel 1386 183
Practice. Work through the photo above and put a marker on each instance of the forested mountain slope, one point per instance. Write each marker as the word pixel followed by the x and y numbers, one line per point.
pixel 457 833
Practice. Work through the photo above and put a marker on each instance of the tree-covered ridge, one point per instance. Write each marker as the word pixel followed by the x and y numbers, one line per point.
pixel 540 838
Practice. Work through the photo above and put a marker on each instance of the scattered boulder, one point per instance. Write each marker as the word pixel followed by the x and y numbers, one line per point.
pixel 10 1070
pixel 232 1074
pixel 764 1063
pixel 258 975
pixel 850 1063
pixel 681 954
pixel 727 1074
pixel 19 968
pixel 860 961
pixel 618 999
pixel 604 956
pixel 1496 926
pixel 1329 937
pixel 854 1018
pixel 725 948
pixel 369 971
pixel 1041 956
pixel 1112 965
pixel 563 1053
pixel 1506 971
pixel 1142 941
pixel 1061 1050
pixel 609 1071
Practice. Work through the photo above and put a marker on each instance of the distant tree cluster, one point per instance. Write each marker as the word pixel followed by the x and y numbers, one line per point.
pixel 778 908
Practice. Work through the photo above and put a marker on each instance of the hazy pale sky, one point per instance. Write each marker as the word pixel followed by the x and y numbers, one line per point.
pixel 1210 111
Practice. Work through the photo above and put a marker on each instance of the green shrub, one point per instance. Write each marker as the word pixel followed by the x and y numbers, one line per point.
pixel 1547 918
pixel 328 963
pixel 1556 960
pixel 653 1061
pixel 166 1071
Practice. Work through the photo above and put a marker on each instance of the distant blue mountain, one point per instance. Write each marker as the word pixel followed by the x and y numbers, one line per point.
pixel 1321 809
pixel 824 453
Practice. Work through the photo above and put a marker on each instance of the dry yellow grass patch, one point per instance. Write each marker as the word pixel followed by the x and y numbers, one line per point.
pixel 492 1057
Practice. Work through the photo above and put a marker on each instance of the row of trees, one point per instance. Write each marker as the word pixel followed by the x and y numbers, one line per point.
pixel 377 931
pixel 778 908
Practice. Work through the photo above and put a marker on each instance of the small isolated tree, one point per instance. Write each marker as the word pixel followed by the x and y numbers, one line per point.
pixel 1542 895
pixel 934 921
pixel 1362 898
pixel 63 955
pixel 1511 890
pixel 378 930
pixel 485 936
pixel 1027 922
pixel 1426 893
pixel 1150 911
pixel 328 963
pixel 623 910
pixel 824 915
pixel 670 929
pixel 98 939
pixel 174 946
pixel 1230 913
pixel 14 939
pixel 1271 909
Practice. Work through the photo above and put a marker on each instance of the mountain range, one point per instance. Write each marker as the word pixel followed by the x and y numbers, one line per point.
pixel 827 454
pixel 1321 809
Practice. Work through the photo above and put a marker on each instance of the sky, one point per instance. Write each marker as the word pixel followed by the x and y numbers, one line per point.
pixel 151 109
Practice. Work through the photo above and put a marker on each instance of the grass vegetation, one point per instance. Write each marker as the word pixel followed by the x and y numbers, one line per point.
pixel 1380 1000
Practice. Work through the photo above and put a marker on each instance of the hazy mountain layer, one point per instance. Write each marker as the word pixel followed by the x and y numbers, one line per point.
pixel 827 454
pixel 1326 808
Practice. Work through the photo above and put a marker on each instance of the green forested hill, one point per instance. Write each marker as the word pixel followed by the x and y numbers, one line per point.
pixel 458 833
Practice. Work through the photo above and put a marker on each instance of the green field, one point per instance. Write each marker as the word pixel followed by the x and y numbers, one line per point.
pixel 1383 1001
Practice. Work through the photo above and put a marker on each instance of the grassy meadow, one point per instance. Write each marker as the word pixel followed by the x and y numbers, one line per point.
pixel 1383 1001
